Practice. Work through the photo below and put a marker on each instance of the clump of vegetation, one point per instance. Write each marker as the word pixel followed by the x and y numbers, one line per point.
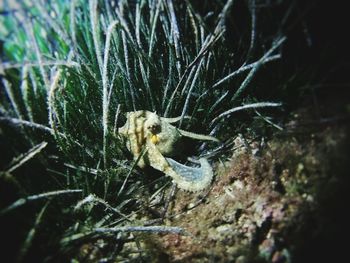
pixel 69 72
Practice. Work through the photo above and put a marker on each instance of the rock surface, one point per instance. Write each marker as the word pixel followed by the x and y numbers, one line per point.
pixel 263 207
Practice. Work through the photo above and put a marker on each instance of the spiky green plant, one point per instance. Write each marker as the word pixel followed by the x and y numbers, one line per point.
pixel 71 69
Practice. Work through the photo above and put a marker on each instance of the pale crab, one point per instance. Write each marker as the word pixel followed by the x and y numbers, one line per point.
pixel 152 140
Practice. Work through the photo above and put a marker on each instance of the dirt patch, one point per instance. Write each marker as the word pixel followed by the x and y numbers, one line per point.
pixel 263 206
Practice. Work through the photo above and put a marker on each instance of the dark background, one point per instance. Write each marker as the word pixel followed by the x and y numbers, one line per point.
pixel 327 23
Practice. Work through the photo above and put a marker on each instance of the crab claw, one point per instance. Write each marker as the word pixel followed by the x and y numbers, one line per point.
pixel 191 178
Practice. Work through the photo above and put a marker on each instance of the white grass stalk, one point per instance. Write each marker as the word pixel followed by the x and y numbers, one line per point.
pixel 108 5
pixel 116 119
pixel 61 32
pixel 171 99
pixel 223 14
pixel 82 168
pixel 187 83
pixel 51 22
pixel 33 81
pixel 126 229
pixel 245 68
pixel 105 89
pixel 149 229
pixel 96 200
pixel 168 84
pixel 153 29
pixel 165 26
pixel 9 92
pixel 127 70
pixel 124 24
pixel 253 71
pixel 72 14
pixel 191 68
pixel 51 99
pixel 208 42
pixel 245 107
pixel 23 158
pixel 10 65
pixel 208 61
pixel 126 54
pixel 143 151
pixel 269 121
pixel 218 102
pixel 194 26
pixel 176 35
pixel 137 24
pixel 193 84
pixel 31 234
pixel 145 81
pixel 22 201
pixel 202 34
pixel 20 122
pixel 252 4
pixel 95 32
pixel 30 32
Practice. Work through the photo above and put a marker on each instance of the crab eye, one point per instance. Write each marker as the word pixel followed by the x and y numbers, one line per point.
pixel 154 129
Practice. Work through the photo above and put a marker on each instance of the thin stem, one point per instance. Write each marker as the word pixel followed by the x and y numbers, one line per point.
pixel 9 92
pixel 176 35
pixel 51 99
pixel 34 125
pixel 245 68
pixel 244 107
pixel 23 158
pixel 25 92
pixel 10 65
pixel 95 32
pixel 22 201
pixel 152 229
pixel 253 71
pixel 94 199
pixel 105 86
pixel 31 234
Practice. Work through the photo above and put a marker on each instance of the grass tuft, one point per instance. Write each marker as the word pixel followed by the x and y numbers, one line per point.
pixel 71 70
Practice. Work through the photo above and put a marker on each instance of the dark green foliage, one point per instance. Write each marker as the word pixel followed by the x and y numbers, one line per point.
pixel 71 69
